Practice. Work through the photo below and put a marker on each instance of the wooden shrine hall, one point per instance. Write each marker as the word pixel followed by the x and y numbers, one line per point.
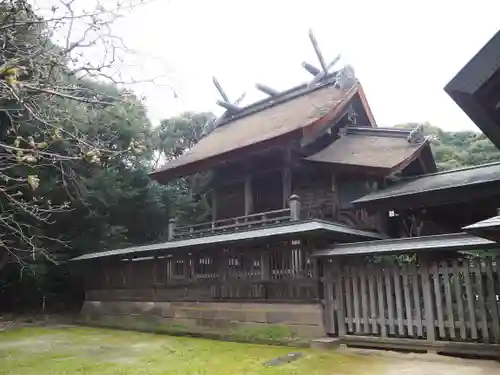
pixel 320 221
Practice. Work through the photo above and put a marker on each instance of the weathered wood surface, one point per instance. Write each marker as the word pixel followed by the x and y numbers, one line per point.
pixel 233 224
pixel 283 271
pixel 453 300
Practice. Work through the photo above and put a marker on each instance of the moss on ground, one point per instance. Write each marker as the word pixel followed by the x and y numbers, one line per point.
pixel 78 351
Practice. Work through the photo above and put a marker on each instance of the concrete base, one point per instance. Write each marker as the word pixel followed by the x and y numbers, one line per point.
pixel 251 320
pixel 325 343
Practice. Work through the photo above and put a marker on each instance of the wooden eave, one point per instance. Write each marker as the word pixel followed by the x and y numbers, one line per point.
pixel 441 242
pixel 435 189
pixel 471 88
pixel 488 229
pixel 295 229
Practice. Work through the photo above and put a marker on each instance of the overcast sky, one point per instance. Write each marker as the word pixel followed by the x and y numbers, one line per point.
pixel 403 52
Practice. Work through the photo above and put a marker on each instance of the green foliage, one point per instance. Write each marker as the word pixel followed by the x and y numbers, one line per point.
pixel 270 333
pixel 458 149
pixel 76 148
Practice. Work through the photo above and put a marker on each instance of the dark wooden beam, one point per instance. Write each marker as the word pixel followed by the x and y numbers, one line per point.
pixel 287 176
pixel 221 91
pixel 214 204
pixel 229 106
pixel 248 195
pixel 317 50
pixel 266 89
pixel 310 68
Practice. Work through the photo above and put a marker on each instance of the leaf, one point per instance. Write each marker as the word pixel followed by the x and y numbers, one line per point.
pixel 33 181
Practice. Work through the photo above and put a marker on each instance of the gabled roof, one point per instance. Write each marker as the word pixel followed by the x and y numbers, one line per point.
pixel 381 150
pixel 328 230
pixel 290 113
pixel 440 182
pixel 472 89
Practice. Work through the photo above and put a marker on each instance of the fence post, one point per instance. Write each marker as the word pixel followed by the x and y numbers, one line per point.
pixel 295 207
pixel 425 266
pixel 171 229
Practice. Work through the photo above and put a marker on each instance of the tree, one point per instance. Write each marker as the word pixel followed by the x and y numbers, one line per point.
pixel 171 139
pixel 59 122
pixel 178 134
pixel 458 149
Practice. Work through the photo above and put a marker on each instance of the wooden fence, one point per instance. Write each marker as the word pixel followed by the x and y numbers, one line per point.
pixel 281 272
pixel 451 300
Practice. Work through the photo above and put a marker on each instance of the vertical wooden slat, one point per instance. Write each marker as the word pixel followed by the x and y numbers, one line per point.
pixel 328 293
pixel 428 305
pixel 372 282
pixel 438 297
pixel 407 299
pixel 381 305
pixel 449 305
pixel 470 297
pixel 363 278
pixel 497 284
pixel 483 322
pixel 356 297
pixel 491 297
pixel 417 299
pixel 390 303
pixel 286 176
pixel 458 295
pixel 248 195
pixel 339 301
pixel 348 298
pixel 399 301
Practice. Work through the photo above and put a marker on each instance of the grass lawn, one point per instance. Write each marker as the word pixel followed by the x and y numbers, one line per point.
pixel 75 351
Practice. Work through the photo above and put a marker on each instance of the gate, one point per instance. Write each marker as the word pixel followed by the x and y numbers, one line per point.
pixel 447 300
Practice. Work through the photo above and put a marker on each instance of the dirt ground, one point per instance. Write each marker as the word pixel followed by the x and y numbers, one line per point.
pixel 395 363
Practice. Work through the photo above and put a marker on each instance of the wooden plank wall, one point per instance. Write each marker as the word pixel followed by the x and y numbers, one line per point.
pixel 451 300
pixel 283 272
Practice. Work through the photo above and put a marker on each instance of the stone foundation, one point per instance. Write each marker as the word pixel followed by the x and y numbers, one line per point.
pixel 266 320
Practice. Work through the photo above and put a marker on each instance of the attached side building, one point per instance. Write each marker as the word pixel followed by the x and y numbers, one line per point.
pixel 280 176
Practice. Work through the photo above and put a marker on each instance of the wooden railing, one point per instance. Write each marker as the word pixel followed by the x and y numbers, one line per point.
pixel 281 271
pixel 251 221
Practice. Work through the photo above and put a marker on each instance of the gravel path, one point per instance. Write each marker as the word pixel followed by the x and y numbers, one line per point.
pixel 428 364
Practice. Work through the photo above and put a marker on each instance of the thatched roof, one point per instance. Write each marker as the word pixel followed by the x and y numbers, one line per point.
pixel 381 150
pixel 290 113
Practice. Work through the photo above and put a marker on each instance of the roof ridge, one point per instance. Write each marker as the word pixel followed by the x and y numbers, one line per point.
pixel 362 130
pixel 450 171
pixel 281 98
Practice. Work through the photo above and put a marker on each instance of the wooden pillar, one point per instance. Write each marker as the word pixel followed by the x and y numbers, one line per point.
pixel 171 229
pixel 286 176
pixel 214 204
pixel 248 195
pixel 265 271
